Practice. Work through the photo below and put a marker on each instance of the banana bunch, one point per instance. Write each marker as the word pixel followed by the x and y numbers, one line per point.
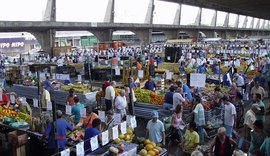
pixel 24 116
pixel 142 95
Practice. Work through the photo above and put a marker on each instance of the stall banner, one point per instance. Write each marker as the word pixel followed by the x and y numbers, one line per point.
pixel 65 152
pixel 94 143
pixel 123 127
pixel 115 133
pixel 197 80
pixel 80 149
pixel 105 137
pixel 102 116
pixel 12 44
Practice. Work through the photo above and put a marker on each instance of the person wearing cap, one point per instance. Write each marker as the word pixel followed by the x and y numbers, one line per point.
pixel 110 95
pixel 250 118
pixel 121 103
pixel 4 101
pixel 61 127
pixel 155 130
pixel 76 110
pixel 257 89
pixel 86 122
pixel 229 116
pixel 258 135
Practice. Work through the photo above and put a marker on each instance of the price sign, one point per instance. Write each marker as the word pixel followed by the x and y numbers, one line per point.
pixel 68 110
pixel 123 127
pixel 65 152
pixel 140 73
pixel 83 112
pixel 49 105
pixel 101 115
pixel 80 149
pixel 121 62
pixel 133 122
pixel 115 132
pixel 35 103
pixel 94 143
pixel 105 137
pixel 117 118
pixel 117 71
pixel 12 99
pixel 79 77
pixel 1 96
pixel 168 75
pixel 24 101
pixel 155 64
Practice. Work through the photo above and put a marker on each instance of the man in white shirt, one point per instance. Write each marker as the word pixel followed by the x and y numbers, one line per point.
pixel 60 63
pixel 177 99
pixel 121 103
pixel 250 118
pixel 110 95
pixel 229 116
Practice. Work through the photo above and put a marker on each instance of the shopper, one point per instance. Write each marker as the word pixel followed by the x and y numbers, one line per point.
pixel 260 114
pixel 223 144
pixel 239 106
pixel 86 122
pixel 106 84
pixel 47 84
pixel 110 95
pixel 155 130
pixel 150 84
pixel 185 89
pixel 191 139
pixel 229 116
pixel 61 126
pixel 168 99
pixel 24 108
pixel 265 148
pixel 233 92
pixel 70 97
pixel 199 118
pixel 250 118
pixel 91 132
pixel 257 89
pixel 4 102
pixel 109 123
pixel 121 103
pixel 257 138
pixel 76 110
pixel 46 97
pixel 177 99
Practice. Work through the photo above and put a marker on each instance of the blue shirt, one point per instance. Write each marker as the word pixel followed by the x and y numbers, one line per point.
pixel 76 111
pixel 150 85
pixel 187 92
pixel 133 85
pixel 89 133
pixel 169 97
pixel 182 70
pixel 260 79
pixel 201 69
pixel 61 126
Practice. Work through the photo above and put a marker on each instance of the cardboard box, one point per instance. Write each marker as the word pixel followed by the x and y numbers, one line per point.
pixel 17 138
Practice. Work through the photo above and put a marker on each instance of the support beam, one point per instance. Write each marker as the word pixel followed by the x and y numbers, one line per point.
pixel 214 19
pixel 245 22
pixel 109 16
pixel 150 13
pixel 262 26
pixel 145 36
pixel 50 12
pixel 177 16
pixel 46 39
pixel 258 24
pixel 236 23
pixel 226 21
pixel 103 35
pixel 198 18
pixel 252 23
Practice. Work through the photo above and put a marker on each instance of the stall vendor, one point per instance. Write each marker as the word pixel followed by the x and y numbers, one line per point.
pixel 150 84
pixel 70 97
pixel 24 108
pixel 61 126
pixel 76 110
pixel 4 101
pixel 186 90
pixel 87 121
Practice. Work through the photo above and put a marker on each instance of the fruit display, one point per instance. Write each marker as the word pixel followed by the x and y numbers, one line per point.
pixel 77 88
pixel 76 135
pixel 160 70
pixel 8 113
pixel 188 70
pixel 128 137
pixel 23 116
pixel 149 148
pixel 146 96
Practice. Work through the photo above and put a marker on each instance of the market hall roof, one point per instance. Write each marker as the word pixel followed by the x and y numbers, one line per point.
pixel 254 8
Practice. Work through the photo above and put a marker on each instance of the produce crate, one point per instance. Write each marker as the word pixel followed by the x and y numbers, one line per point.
pixel 17 138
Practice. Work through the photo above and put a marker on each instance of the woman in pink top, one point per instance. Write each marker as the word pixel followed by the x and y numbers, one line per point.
pixel 175 132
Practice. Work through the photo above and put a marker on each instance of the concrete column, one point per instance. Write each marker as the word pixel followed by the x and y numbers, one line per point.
pixel 46 39
pixel 145 36
pixel 252 23
pixel 103 35
pixel 109 16
pixel 177 16
pixel 258 24
pixel 150 13
pixel 245 22
pixel 199 17
pixel 171 34
pixel 226 21
pixel 236 23
pixel 214 19
pixel 50 12
pixel 262 26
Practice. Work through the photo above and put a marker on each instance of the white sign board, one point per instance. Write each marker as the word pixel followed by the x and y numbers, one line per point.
pixel 117 118
pixel 94 143
pixel 80 149
pixel 83 112
pixel 65 152
pixel 123 127
pixel 105 137
pixel 68 110
pixel 197 80
pixel 115 133
pixel 117 71
pixel 168 75
pixel 140 73
pixel 101 115
pixel 35 103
